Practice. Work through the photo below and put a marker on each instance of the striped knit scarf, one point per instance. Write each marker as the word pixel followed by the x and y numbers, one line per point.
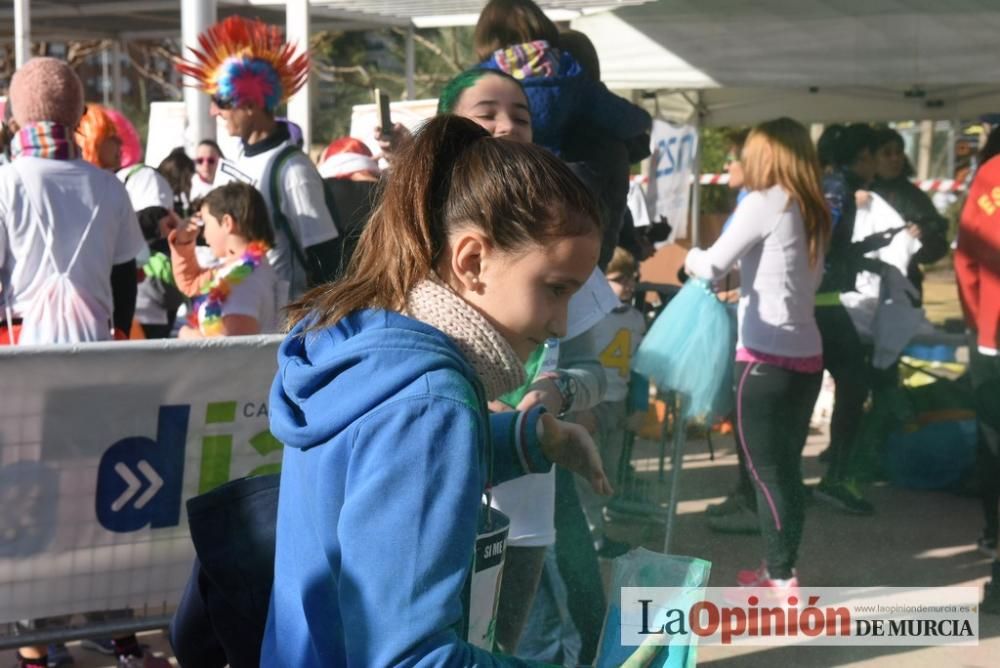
pixel 45 139
pixel 528 60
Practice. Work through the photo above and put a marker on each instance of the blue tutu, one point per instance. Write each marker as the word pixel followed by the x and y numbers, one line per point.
pixel 690 349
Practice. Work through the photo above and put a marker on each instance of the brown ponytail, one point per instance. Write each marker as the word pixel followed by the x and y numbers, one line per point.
pixel 452 174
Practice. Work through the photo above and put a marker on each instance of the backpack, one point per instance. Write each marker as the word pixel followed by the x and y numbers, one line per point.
pixel 61 311
pixel 315 274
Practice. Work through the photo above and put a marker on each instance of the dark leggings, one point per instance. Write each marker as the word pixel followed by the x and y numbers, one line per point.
pixel 985 374
pixel 846 358
pixel 773 407
pixel 744 489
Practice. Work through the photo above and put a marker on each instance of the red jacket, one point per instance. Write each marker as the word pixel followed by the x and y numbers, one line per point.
pixel 977 258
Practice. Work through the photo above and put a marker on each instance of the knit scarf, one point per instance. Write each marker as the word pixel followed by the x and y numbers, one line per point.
pixel 45 139
pixel 495 362
pixel 528 60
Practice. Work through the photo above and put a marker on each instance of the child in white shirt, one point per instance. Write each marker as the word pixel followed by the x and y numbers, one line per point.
pixel 616 338
pixel 240 296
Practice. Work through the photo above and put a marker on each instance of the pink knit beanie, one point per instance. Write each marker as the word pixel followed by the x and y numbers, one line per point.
pixel 46 89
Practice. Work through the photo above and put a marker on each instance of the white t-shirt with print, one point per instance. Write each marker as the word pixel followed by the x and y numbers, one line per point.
pixel 68 191
pixel 257 296
pixel 302 202
pixel 616 338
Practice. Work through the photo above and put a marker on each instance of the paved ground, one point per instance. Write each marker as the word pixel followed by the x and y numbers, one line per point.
pixel 921 539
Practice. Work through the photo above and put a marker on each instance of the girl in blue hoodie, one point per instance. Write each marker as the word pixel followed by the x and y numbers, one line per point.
pixel 466 266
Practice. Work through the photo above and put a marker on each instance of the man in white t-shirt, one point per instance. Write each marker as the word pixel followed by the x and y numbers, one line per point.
pixel 49 197
pixel 246 89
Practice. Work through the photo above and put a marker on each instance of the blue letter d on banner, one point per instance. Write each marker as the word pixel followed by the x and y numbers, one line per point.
pixel 139 480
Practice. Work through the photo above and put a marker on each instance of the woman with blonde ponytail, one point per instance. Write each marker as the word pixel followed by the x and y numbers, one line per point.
pixel 778 235
pixel 466 266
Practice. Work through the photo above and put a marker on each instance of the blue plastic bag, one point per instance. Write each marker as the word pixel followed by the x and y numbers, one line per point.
pixel 644 568
pixel 690 349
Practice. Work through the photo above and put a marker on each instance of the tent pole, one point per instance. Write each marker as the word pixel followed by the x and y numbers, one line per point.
pixel 300 104
pixel 22 32
pixel 411 64
pixel 924 153
pixel 196 16
pixel 696 173
pixel 676 463
pixel 953 129
pixel 116 74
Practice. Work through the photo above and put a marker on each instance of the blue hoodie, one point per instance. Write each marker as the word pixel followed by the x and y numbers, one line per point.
pixel 386 431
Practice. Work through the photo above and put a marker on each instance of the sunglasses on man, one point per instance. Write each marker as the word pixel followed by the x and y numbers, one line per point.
pixel 222 102
pixel 208 160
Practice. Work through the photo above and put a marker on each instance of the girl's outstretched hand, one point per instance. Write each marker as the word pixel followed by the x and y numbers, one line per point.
pixel 570 446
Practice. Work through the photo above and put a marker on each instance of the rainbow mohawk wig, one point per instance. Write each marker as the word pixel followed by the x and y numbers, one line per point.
pixel 245 61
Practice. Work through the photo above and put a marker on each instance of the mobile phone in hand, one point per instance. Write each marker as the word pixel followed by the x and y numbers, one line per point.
pixel 384 117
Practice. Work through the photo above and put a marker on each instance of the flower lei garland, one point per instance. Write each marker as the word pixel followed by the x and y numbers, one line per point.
pixel 215 292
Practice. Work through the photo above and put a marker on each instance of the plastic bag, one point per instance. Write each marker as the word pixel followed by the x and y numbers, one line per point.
pixel 643 568
pixel 690 349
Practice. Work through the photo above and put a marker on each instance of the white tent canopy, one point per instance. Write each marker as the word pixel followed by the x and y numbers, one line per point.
pixel 817 60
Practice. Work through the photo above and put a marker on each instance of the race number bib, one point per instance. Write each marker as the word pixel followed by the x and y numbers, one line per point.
pixel 487 573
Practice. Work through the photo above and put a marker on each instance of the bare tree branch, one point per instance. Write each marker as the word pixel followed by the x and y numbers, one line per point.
pixel 78 52
pixel 329 72
pixel 145 70
pixel 433 48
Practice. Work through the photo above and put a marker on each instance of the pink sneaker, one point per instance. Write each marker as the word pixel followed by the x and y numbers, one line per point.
pixel 749 578
pixel 761 578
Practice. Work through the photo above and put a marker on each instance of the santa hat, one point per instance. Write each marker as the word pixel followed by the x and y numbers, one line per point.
pixel 46 89
pixel 346 156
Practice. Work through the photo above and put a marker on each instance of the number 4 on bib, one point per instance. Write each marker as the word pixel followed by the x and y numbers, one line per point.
pixel 618 354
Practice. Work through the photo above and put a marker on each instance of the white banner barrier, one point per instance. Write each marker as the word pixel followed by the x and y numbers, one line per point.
pixel 101 445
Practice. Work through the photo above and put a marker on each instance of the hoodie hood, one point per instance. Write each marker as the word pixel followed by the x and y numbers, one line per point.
pixel 552 80
pixel 329 378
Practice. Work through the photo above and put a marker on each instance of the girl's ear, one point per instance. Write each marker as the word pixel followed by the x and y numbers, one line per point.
pixel 468 250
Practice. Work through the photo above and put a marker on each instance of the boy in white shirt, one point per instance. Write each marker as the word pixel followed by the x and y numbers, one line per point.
pixel 241 295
